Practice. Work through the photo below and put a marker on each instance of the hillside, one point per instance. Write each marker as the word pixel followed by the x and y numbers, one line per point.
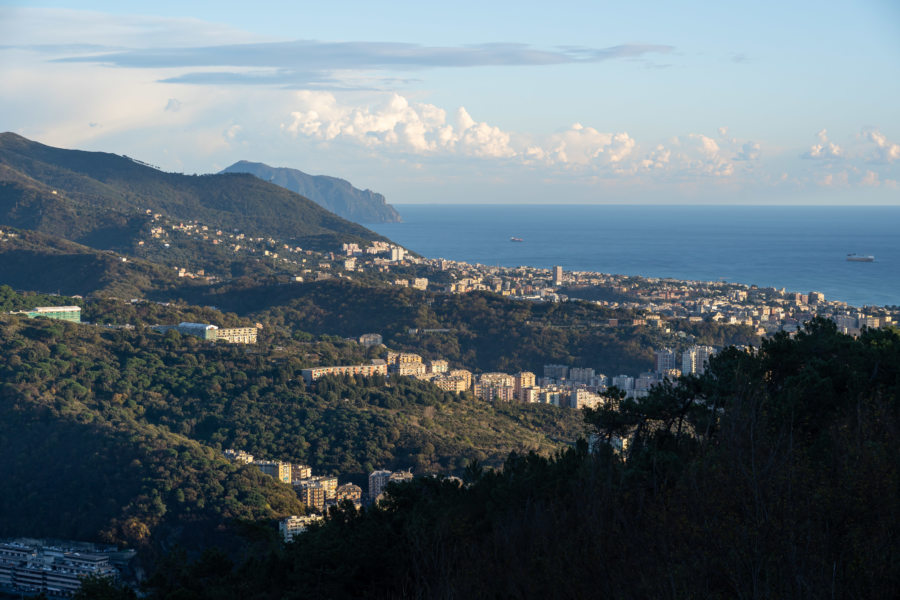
pixel 484 331
pixel 775 475
pixel 102 200
pixel 125 428
pixel 32 260
pixel 336 195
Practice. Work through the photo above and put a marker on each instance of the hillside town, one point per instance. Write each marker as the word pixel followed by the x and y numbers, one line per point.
pixel 655 302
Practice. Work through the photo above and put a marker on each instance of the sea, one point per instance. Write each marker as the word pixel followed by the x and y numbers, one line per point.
pixel 798 248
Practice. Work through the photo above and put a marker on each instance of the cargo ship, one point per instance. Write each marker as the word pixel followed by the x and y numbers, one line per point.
pixel 515 239
pixel 859 258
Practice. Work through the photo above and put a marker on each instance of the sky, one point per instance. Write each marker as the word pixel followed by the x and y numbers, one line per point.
pixel 645 102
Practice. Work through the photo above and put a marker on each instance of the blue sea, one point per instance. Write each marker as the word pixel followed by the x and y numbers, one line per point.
pixel 798 248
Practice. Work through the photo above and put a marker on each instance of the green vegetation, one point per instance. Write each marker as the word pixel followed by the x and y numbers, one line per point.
pixel 101 199
pixel 117 434
pixel 337 195
pixel 33 260
pixel 776 474
pixel 488 332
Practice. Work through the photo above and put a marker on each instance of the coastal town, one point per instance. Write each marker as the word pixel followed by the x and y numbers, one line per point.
pixel 656 302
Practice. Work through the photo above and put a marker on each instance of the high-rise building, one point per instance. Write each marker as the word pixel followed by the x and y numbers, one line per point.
pixel 299 472
pixel 377 481
pixel 581 375
pixel 311 493
pixel 694 360
pixel 557 275
pixel 623 382
pixel 524 380
pixel 664 360
pixel 556 371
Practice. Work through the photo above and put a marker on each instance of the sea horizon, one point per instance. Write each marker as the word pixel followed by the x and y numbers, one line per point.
pixel 799 248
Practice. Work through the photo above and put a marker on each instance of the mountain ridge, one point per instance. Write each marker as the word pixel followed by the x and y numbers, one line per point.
pixel 94 197
pixel 333 193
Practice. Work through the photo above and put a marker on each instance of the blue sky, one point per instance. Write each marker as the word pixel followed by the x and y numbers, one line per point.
pixel 478 102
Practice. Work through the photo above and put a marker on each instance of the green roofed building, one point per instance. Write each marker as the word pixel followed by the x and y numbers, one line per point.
pixel 63 313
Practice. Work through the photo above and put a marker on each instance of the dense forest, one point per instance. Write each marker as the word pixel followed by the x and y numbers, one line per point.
pixel 126 427
pixel 487 332
pixel 775 474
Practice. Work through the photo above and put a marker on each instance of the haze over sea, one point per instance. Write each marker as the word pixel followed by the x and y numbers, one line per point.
pixel 799 248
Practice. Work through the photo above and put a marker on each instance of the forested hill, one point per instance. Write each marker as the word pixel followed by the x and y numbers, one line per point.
pixel 775 475
pixel 102 199
pixel 116 433
pixel 480 330
pixel 337 195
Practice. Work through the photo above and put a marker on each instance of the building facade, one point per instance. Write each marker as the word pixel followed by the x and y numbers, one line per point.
pixel 317 373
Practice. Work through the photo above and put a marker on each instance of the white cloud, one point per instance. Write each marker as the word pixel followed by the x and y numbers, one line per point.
pixel 748 151
pixel 411 127
pixel 580 145
pixel 870 179
pixel 885 151
pixel 840 179
pixel 824 149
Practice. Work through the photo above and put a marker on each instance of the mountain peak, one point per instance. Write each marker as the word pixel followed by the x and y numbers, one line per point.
pixel 337 195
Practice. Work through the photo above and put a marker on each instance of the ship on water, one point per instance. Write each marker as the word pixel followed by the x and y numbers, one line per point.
pixel 515 239
pixel 860 258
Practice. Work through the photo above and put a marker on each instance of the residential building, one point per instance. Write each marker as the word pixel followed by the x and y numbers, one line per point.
pixel 377 482
pixel 410 369
pixel 451 383
pixel 238 456
pixel 349 491
pixel 275 468
pixel 300 472
pixel 623 382
pixel 398 358
pixel 663 360
pixel 582 398
pixel 293 526
pixel 438 366
pixel 29 570
pixel 237 335
pixel 370 339
pixel 311 493
pixel 556 371
pixel 464 374
pixel 523 381
pixel 581 375
pixel 317 373
pixel 694 360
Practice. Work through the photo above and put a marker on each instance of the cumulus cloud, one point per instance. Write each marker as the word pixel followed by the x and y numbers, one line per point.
pixel 825 149
pixel 398 125
pixel 840 179
pixel 870 179
pixel 885 151
pixel 413 127
pixel 580 145
pixel 748 151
